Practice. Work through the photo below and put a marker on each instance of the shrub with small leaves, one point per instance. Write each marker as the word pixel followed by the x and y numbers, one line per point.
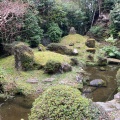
pixel 60 103
pixel 54 32
pixel 52 67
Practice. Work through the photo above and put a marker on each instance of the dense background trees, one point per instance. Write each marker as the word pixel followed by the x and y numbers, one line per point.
pixel 30 20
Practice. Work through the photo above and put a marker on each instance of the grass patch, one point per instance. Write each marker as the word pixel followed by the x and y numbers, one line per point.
pixel 43 57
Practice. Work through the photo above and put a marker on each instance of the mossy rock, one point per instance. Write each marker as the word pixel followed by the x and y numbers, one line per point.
pixel 9 48
pixel 59 48
pixel 60 103
pixel 90 43
pixel 24 57
pixel 41 47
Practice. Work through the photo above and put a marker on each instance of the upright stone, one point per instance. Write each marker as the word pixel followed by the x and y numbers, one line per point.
pixel 24 57
pixel 72 30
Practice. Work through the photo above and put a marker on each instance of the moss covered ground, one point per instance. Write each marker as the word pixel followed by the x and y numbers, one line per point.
pixel 9 74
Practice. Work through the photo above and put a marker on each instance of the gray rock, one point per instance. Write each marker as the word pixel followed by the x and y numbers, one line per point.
pixel 72 30
pixel 49 80
pixel 75 52
pixel 32 81
pixel 97 83
pixel 66 67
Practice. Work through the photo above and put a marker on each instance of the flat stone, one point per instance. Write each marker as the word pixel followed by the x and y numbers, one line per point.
pixel 32 81
pixel 49 80
pixel 97 83
pixel 113 61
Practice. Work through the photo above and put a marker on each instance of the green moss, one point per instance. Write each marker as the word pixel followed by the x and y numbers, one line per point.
pixel 43 57
pixel 60 103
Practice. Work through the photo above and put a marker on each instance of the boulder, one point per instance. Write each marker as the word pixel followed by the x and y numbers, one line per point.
pixel 90 43
pixel 24 57
pixel 66 67
pixel 98 83
pixel 9 47
pixel 62 49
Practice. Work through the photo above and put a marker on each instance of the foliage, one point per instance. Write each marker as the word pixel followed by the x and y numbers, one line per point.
pixel 115 18
pixel 111 51
pixel 54 32
pixel 52 67
pixel 96 31
pixel 11 19
pixel 111 39
pixel 2 74
pixel 108 5
pixel 32 31
pixel 59 103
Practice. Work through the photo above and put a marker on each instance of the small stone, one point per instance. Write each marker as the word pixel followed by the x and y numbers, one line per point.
pixel 102 69
pixel 71 44
pixel 75 52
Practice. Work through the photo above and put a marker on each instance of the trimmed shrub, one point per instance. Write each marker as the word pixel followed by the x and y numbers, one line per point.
pixel 60 103
pixel 52 67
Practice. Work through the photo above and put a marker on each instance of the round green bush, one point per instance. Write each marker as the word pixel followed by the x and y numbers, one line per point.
pixel 52 67
pixel 60 103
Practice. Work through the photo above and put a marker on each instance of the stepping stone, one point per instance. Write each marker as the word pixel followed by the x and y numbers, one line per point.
pixel 32 81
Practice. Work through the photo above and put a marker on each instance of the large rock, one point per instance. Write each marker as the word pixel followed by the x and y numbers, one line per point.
pixel 56 47
pixel 90 43
pixel 24 57
pixel 98 83
pixel 9 48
